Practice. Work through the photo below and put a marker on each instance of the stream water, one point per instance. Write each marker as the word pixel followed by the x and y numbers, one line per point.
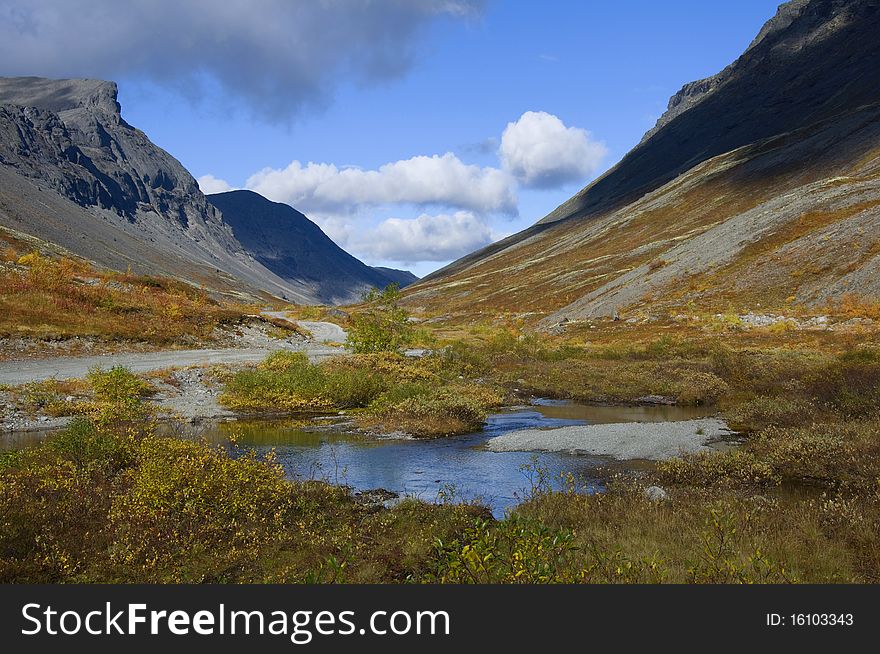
pixel 457 468
pixel 448 468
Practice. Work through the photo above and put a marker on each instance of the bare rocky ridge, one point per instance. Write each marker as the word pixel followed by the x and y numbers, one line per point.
pixel 75 174
pixel 760 185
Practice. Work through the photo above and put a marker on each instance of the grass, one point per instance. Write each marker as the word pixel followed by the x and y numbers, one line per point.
pixel 799 501
pixel 389 392
pixel 117 503
pixel 110 501
pixel 55 298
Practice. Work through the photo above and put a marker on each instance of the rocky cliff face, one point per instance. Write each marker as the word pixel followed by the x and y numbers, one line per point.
pixel 71 134
pixel 759 185
pixel 74 173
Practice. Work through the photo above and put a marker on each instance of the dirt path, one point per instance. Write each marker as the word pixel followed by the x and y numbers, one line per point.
pixel 22 372
pixel 322 332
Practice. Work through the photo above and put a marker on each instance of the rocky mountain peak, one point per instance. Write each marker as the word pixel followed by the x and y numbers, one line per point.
pixel 70 133
pixel 758 182
pixel 62 95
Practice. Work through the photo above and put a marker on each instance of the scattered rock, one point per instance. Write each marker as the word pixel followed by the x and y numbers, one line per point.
pixel 656 494
pixel 338 313
pixel 653 441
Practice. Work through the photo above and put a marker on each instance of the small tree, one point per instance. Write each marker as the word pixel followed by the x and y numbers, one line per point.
pixel 384 326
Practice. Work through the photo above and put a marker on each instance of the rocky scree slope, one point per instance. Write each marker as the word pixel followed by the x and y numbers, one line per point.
pixel 759 186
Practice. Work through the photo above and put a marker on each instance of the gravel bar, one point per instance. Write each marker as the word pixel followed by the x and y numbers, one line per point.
pixel 626 440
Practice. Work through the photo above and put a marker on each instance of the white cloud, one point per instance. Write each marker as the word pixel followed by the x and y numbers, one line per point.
pixel 279 56
pixel 426 238
pixel 541 152
pixel 210 184
pixel 349 203
pixel 437 180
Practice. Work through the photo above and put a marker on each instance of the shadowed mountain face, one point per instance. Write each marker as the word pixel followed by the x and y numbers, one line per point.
pixel 400 277
pixel 295 248
pixel 75 174
pixel 758 185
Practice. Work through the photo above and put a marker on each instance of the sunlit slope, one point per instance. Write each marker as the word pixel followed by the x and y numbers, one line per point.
pixel 760 186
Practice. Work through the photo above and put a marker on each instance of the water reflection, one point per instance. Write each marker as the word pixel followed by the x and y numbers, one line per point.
pixel 429 468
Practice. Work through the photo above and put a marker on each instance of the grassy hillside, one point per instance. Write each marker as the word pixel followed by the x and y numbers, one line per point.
pixel 51 296
pixel 110 500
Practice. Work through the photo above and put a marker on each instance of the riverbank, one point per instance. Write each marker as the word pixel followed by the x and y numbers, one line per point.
pixel 797 501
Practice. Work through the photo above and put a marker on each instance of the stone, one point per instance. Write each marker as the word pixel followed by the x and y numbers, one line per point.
pixel 656 494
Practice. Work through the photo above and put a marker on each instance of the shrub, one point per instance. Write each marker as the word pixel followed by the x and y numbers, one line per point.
pixel 87 446
pixel 384 326
pixel 513 552
pixel 48 396
pixel 193 503
pixel 60 297
pixel 394 366
pixel 832 454
pixel 732 468
pixel 766 411
pixel 287 381
pixel 118 398
pixel 849 385
pixel 721 562
pixel 425 411
pixel 701 388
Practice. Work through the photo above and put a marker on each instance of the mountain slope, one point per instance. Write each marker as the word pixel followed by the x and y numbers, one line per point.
pixel 74 173
pixel 760 185
pixel 294 248
pixel 400 277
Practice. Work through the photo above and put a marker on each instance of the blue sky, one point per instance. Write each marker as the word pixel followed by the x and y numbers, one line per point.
pixel 439 82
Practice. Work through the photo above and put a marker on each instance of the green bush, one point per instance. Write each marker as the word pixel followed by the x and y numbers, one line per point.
pixel 188 502
pixel 287 381
pixel 118 397
pixel 425 411
pixel 766 411
pixel 86 446
pixel 384 326
pixel 698 388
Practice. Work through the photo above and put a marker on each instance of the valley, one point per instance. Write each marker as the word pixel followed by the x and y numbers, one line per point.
pixel 673 377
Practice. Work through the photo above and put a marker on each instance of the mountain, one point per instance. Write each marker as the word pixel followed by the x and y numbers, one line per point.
pixel 400 277
pixel 294 248
pixel 759 186
pixel 75 174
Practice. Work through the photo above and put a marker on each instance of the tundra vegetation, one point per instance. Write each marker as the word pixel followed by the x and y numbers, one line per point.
pixel 52 298
pixel 799 501
pixel 111 499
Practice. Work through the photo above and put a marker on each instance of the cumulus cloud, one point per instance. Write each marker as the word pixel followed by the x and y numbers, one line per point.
pixel 278 56
pixel 210 184
pixel 426 238
pixel 536 151
pixel 541 152
pixel 437 180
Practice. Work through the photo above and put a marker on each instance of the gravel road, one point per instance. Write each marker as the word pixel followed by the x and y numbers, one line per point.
pixel 322 332
pixel 22 372
pixel 623 441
